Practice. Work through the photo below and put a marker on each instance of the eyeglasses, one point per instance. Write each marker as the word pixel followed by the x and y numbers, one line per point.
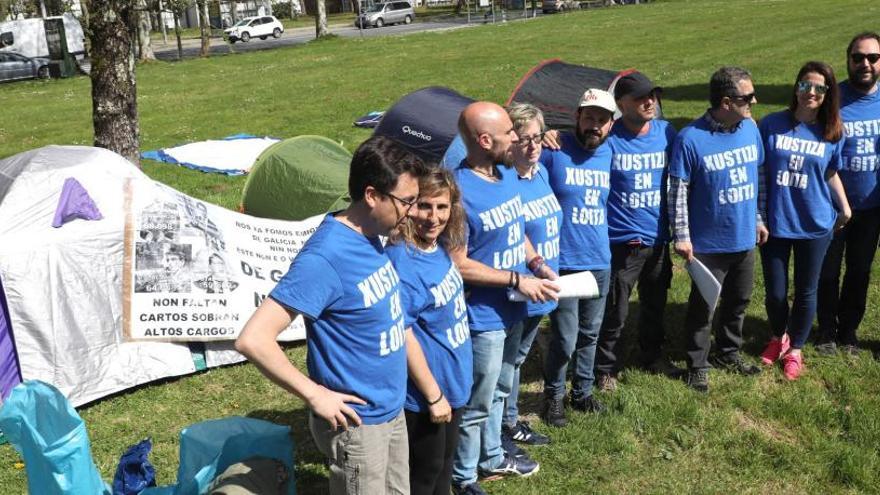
pixel 534 139
pixel 408 203
pixel 806 86
pixel 744 98
pixel 858 58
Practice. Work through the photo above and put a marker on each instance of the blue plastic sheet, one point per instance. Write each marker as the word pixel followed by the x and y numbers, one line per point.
pixel 134 472
pixel 52 438
pixel 209 447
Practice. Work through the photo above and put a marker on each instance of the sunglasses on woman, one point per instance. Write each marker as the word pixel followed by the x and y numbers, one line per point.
pixel 806 86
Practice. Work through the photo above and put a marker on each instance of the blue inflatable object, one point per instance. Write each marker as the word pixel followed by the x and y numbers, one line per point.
pixel 52 439
pixel 134 472
pixel 209 447
pixel 455 153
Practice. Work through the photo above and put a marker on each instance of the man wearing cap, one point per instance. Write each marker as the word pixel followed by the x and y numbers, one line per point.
pixel 637 228
pixel 713 208
pixel 579 174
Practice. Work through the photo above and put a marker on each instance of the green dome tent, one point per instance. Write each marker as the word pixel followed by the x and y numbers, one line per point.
pixel 297 178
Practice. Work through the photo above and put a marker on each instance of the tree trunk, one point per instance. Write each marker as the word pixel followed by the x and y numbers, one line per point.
pixel 205 28
pixel 321 20
pixel 114 90
pixel 145 45
pixel 177 34
pixel 293 5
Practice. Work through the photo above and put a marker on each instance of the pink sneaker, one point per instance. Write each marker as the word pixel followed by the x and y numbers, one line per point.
pixel 792 366
pixel 775 349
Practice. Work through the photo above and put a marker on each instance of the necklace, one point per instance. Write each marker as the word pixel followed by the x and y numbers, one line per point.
pixel 484 174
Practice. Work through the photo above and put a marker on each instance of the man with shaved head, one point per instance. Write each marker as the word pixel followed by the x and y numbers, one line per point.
pixel 493 262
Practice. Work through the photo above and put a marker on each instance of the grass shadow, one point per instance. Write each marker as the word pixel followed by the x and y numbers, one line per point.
pixel 770 94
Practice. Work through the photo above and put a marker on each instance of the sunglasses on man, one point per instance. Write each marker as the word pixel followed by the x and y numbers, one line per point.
pixel 744 98
pixel 858 58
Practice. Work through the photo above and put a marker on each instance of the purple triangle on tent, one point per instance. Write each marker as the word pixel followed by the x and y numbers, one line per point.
pixel 75 203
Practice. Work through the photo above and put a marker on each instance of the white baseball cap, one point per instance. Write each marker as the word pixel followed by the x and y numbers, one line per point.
pixel 598 98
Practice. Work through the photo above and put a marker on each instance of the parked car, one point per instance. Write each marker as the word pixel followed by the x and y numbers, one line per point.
pixel 14 66
pixel 559 6
pixel 254 27
pixel 381 14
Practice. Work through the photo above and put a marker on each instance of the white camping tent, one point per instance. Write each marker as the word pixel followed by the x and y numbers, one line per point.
pixel 63 286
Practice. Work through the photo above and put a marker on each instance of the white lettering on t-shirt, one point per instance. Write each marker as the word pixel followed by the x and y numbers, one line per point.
pixel 378 284
pixel 638 161
pixel 447 287
pixel 586 178
pixel 731 158
pixel 541 207
pixel 798 145
pixel 501 215
pixel 862 128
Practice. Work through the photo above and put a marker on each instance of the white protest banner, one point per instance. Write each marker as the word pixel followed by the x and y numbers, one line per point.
pixel 195 271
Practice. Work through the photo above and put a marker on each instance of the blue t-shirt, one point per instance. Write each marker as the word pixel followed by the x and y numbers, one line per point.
pixel 580 179
pixel 354 317
pixel 636 207
pixel 496 238
pixel 860 168
pixel 796 158
pixel 433 300
pixel 722 171
pixel 543 217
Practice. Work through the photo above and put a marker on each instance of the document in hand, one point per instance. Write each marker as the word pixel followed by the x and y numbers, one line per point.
pixel 581 285
pixel 706 283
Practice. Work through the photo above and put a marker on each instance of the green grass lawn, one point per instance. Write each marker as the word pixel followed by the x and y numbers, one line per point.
pixel 754 435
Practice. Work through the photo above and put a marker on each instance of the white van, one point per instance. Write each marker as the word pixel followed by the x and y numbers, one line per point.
pixel 28 37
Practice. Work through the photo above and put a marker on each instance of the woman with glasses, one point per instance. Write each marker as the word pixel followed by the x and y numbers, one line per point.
pixel 804 203
pixel 543 217
pixel 435 309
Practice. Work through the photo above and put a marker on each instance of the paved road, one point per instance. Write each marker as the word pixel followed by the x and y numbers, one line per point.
pixel 294 37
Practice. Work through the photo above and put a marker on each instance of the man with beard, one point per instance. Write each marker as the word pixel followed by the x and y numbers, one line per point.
pixel 493 262
pixel 713 207
pixel 840 309
pixel 637 228
pixel 579 173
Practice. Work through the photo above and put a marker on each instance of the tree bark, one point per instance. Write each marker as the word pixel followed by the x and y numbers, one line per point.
pixel 205 28
pixel 114 89
pixel 177 34
pixel 321 20
pixel 145 45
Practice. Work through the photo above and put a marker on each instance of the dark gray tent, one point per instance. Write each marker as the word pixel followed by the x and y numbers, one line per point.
pixel 426 121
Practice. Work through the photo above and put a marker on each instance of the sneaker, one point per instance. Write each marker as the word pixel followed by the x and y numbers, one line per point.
pixel 508 445
pixel 606 383
pixel 522 432
pixel 518 466
pixel 662 366
pixel 554 413
pixel 792 366
pixel 850 350
pixel 734 363
pixel 775 349
pixel 826 349
pixel 588 404
pixel 698 379
pixel 469 489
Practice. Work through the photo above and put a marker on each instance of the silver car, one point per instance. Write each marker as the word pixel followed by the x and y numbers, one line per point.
pixel 14 66
pixel 381 14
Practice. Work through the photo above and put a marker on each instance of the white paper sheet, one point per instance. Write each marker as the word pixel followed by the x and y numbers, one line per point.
pixel 581 285
pixel 706 283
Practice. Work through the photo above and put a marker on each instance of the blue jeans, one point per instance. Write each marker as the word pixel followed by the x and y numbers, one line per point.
pixel 477 415
pixel 575 329
pixel 808 256
pixel 529 331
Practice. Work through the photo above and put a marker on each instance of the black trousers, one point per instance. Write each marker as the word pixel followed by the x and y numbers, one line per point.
pixel 431 448
pixel 651 267
pixel 736 272
pixel 841 309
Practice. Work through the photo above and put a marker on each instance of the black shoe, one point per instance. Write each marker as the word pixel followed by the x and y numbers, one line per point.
pixel 519 466
pixel 662 366
pixel 522 432
pixel 698 379
pixel 849 350
pixel 507 444
pixel 734 363
pixel 470 489
pixel 826 349
pixel 588 405
pixel 554 413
